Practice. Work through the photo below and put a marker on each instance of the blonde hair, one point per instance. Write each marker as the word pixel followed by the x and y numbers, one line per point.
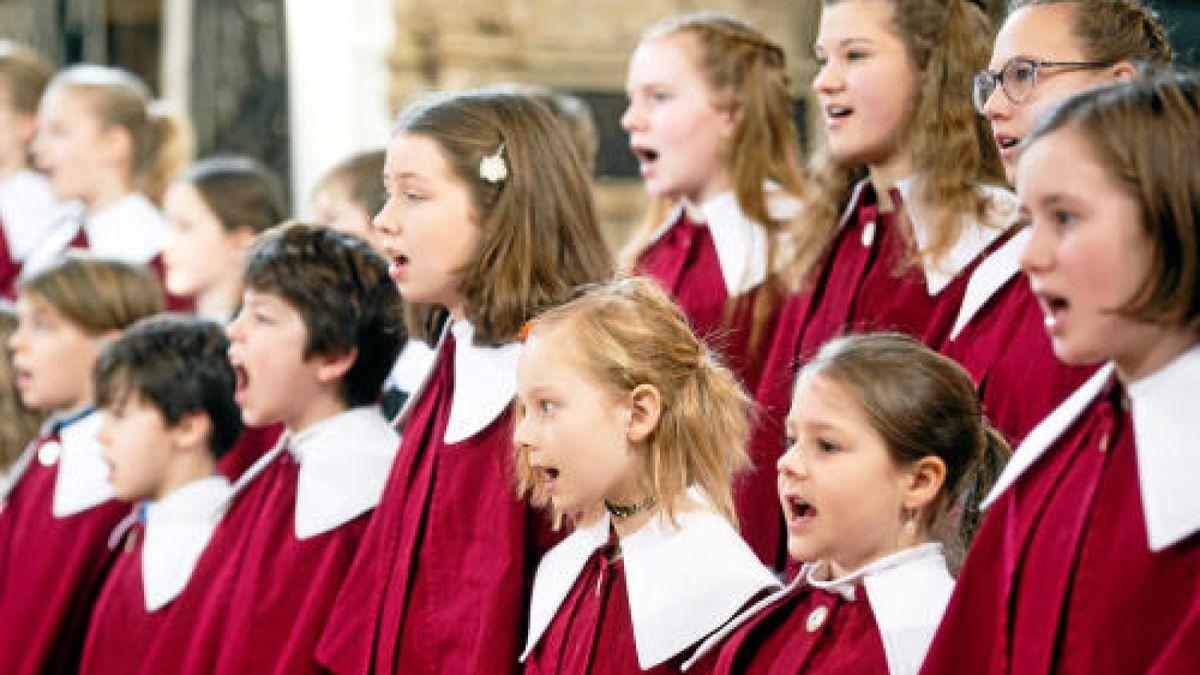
pixel 540 234
pixel 922 404
pixel 20 423
pixel 161 138
pixel 951 145
pixel 1146 135
pixel 631 333
pixel 747 74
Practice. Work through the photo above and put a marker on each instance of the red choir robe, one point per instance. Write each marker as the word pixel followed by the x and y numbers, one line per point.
pixel 137 609
pixel 999 338
pixel 857 290
pixel 592 615
pixel 28 211
pixel 55 520
pixel 877 620
pixel 441 582
pixel 130 230
pixel 250 447
pixel 1088 560
pixel 713 260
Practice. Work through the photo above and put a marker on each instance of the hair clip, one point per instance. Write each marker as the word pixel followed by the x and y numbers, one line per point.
pixel 526 329
pixel 492 167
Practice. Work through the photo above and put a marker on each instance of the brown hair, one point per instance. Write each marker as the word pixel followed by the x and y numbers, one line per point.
pixel 540 236
pixel 25 73
pixel 1111 31
pixel 96 295
pixel 631 333
pixel 922 404
pixel 361 176
pixel 340 287
pixel 240 191
pixel 161 138
pixel 1146 134
pixel 951 145
pixel 20 423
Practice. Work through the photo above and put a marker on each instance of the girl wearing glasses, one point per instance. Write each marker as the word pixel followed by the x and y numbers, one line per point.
pixel 1088 558
pixel 903 200
pixel 1045 51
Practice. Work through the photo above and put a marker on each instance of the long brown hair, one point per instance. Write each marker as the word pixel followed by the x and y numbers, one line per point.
pixel 20 423
pixel 540 232
pixel 950 144
pixel 161 137
pixel 1113 30
pixel 922 404
pixel 631 333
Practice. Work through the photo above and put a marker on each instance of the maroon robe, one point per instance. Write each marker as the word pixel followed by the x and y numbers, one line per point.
pixel 592 633
pixel 50 572
pixel 251 445
pixel 684 260
pixel 1060 577
pixel 10 269
pixel 121 627
pixel 1004 347
pixel 441 582
pixel 856 290
pixel 785 639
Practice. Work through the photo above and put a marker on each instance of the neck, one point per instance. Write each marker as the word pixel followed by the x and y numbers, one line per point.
pixel 319 409
pixel 110 189
pixel 885 175
pixel 186 467
pixel 218 302
pixel 1164 346
pixel 9 166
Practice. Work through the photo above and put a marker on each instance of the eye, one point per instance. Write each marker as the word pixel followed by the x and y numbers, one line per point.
pixel 1063 219
pixel 413 197
pixel 827 446
pixel 856 55
pixel 821 61
pixel 546 407
pixel 1020 73
pixel 789 442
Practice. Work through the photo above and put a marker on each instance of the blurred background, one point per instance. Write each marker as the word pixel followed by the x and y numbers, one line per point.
pixel 301 84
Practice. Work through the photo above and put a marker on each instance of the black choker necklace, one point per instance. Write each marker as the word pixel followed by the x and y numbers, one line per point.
pixel 623 511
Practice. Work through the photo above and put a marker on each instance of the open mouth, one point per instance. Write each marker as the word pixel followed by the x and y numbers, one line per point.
pixel 645 156
pixel 837 112
pixel 1053 308
pixel 242 383
pixel 798 511
pixel 1006 143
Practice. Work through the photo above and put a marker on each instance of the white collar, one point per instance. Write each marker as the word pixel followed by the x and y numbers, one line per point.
pixel 670 611
pixel 485 381
pixel 908 592
pixel 344 463
pixel 741 243
pixel 130 229
pixel 989 277
pixel 976 236
pixel 82 480
pixel 178 528
pixel 412 365
pixel 29 211
pixel 1165 428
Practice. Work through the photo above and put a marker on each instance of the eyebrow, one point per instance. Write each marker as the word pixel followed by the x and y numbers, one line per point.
pixel 847 41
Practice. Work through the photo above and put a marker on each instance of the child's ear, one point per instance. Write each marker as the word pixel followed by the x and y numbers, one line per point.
pixel 925 479
pixel 192 430
pixel 1123 70
pixel 116 143
pixel 333 367
pixel 645 408
pixel 242 237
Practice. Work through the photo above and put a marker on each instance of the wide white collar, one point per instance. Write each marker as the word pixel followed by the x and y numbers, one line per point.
pixel 178 528
pixel 683 583
pixel 130 230
pixel 485 381
pixel 989 277
pixel 976 235
pixel 908 592
pixel 1165 429
pixel 82 479
pixel 28 209
pixel 412 366
pixel 344 463
pixel 741 242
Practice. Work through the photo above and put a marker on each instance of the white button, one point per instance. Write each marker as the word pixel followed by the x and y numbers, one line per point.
pixel 868 234
pixel 816 618
pixel 49 452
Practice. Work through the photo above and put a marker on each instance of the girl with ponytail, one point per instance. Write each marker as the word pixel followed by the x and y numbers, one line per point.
pixel 887 457
pixel 105 145
pixel 630 430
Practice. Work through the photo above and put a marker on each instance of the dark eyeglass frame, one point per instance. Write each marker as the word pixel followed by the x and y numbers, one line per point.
pixel 985 82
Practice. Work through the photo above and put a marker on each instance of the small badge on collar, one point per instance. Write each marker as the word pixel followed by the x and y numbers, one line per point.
pixel 816 618
pixel 868 234
pixel 49 453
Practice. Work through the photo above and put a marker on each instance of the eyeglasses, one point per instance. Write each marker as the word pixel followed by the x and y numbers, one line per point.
pixel 1018 78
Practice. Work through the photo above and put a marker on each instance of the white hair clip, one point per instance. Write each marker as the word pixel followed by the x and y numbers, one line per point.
pixel 492 168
